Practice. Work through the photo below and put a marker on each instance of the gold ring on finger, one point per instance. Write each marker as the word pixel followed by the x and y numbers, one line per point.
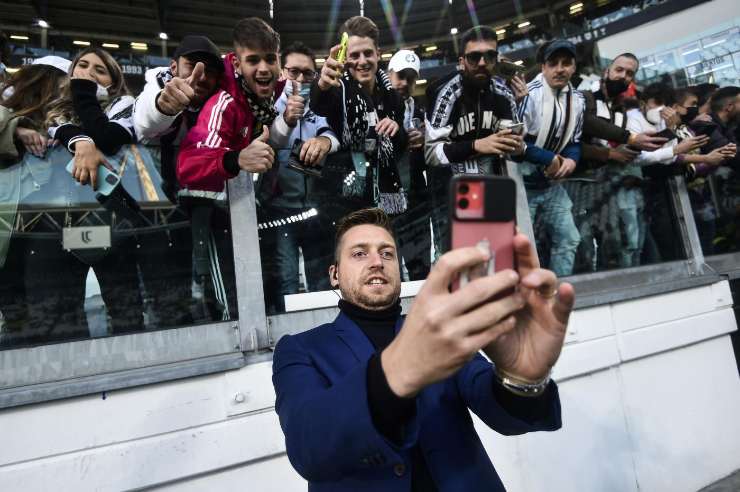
pixel 548 295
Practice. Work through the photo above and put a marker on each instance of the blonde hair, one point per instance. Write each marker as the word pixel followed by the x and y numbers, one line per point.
pixel 61 110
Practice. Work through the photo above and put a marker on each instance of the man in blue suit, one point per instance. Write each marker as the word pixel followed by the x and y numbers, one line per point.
pixel 376 402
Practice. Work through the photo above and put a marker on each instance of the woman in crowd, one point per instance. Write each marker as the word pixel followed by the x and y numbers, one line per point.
pixel 91 119
pixel 28 94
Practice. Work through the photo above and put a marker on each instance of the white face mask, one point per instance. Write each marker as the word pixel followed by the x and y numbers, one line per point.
pixel 8 92
pixel 653 115
pixel 102 93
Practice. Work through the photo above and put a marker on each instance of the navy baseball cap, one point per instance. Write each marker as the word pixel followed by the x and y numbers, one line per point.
pixel 559 45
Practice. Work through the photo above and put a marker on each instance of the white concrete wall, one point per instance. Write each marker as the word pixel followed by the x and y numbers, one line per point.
pixel 672 30
pixel 649 388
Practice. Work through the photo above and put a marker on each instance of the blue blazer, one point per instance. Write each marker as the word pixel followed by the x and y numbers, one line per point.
pixel 321 385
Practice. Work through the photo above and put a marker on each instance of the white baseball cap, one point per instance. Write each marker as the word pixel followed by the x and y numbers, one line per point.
pixel 404 59
pixel 55 61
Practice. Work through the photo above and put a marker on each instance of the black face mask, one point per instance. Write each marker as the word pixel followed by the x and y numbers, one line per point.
pixel 615 87
pixel 691 113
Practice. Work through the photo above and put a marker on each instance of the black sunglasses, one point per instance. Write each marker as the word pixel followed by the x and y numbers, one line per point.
pixel 474 57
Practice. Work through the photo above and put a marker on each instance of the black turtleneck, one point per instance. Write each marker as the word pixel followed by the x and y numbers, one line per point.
pixel 389 412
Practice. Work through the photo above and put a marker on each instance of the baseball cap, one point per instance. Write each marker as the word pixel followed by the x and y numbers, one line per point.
pixel 54 61
pixel 559 45
pixel 199 44
pixel 404 59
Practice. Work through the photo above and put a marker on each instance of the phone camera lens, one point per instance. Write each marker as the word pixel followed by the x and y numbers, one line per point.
pixel 463 188
pixel 463 203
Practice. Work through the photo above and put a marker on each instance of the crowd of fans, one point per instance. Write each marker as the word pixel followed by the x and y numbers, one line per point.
pixel 595 155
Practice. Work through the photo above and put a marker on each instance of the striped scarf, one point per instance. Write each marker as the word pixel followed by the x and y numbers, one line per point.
pixel 388 194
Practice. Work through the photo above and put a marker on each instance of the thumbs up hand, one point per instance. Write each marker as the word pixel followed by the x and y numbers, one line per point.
pixel 178 92
pixel 258 156
pixel 296 104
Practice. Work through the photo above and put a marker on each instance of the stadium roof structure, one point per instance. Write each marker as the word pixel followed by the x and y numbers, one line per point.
pixel 315 22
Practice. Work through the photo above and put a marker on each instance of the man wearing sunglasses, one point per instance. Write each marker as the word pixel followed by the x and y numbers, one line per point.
pixel 288 193
pixel 464 134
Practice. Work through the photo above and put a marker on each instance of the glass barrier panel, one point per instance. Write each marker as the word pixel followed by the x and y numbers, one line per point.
pixel 78 263
pixel 715 201
pixel 606 218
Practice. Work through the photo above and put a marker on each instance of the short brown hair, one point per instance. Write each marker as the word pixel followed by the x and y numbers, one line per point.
pixel 365 216
pixel 256 34
pixel 361 26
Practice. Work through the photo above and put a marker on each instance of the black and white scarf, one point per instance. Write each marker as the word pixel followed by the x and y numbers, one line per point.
pixel 263 109
pixel 388 193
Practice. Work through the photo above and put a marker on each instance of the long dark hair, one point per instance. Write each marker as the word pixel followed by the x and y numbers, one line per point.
pixel 35 87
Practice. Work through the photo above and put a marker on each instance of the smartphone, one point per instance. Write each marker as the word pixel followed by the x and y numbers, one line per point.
pixel 114 197
pixel 508 70
pixel 483 214
pixel 295 163
pixel 516 128
pixel 667 133
pixel 342 54
pixel 107 180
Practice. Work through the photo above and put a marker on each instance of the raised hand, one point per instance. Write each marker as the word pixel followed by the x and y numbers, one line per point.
pixel 528 351
pixel 296 105
pixel 444 330
pixel 258 156
pixel 178 92
pixel 332 71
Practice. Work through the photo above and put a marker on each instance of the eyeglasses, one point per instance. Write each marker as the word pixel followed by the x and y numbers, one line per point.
pixel 308 74
pixel 474 57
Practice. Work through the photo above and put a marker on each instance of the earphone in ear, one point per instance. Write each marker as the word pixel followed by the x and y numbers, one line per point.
pixel 335 277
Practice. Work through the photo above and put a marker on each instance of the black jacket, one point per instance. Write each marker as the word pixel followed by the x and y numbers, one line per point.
pixel 460 113
pixel 720 134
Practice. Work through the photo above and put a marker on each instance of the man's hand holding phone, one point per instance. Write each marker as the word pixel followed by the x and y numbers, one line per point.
pixel 314 150
pixel 646 141
pixel 500 143
pixel 444 329
pixel 332 71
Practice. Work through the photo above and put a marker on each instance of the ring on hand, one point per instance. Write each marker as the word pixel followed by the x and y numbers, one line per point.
pixel 548 295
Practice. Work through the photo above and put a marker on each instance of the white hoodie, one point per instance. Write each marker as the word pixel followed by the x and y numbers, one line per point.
pixel 151 124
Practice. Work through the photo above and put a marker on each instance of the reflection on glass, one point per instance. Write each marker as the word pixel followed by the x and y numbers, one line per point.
pixel 76 263
pixel 691 54
pixel 715 200
pixel 624 219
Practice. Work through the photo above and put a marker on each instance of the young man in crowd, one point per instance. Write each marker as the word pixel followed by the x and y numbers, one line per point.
pixel 288 197
pixel 367 115
pixel 724 118
pixel 378 401
pixel 412 228
pixel 606 141
pixel 234 131
pixel 552 114
pixel 173 97
pixel 463 127
pixel 164 112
